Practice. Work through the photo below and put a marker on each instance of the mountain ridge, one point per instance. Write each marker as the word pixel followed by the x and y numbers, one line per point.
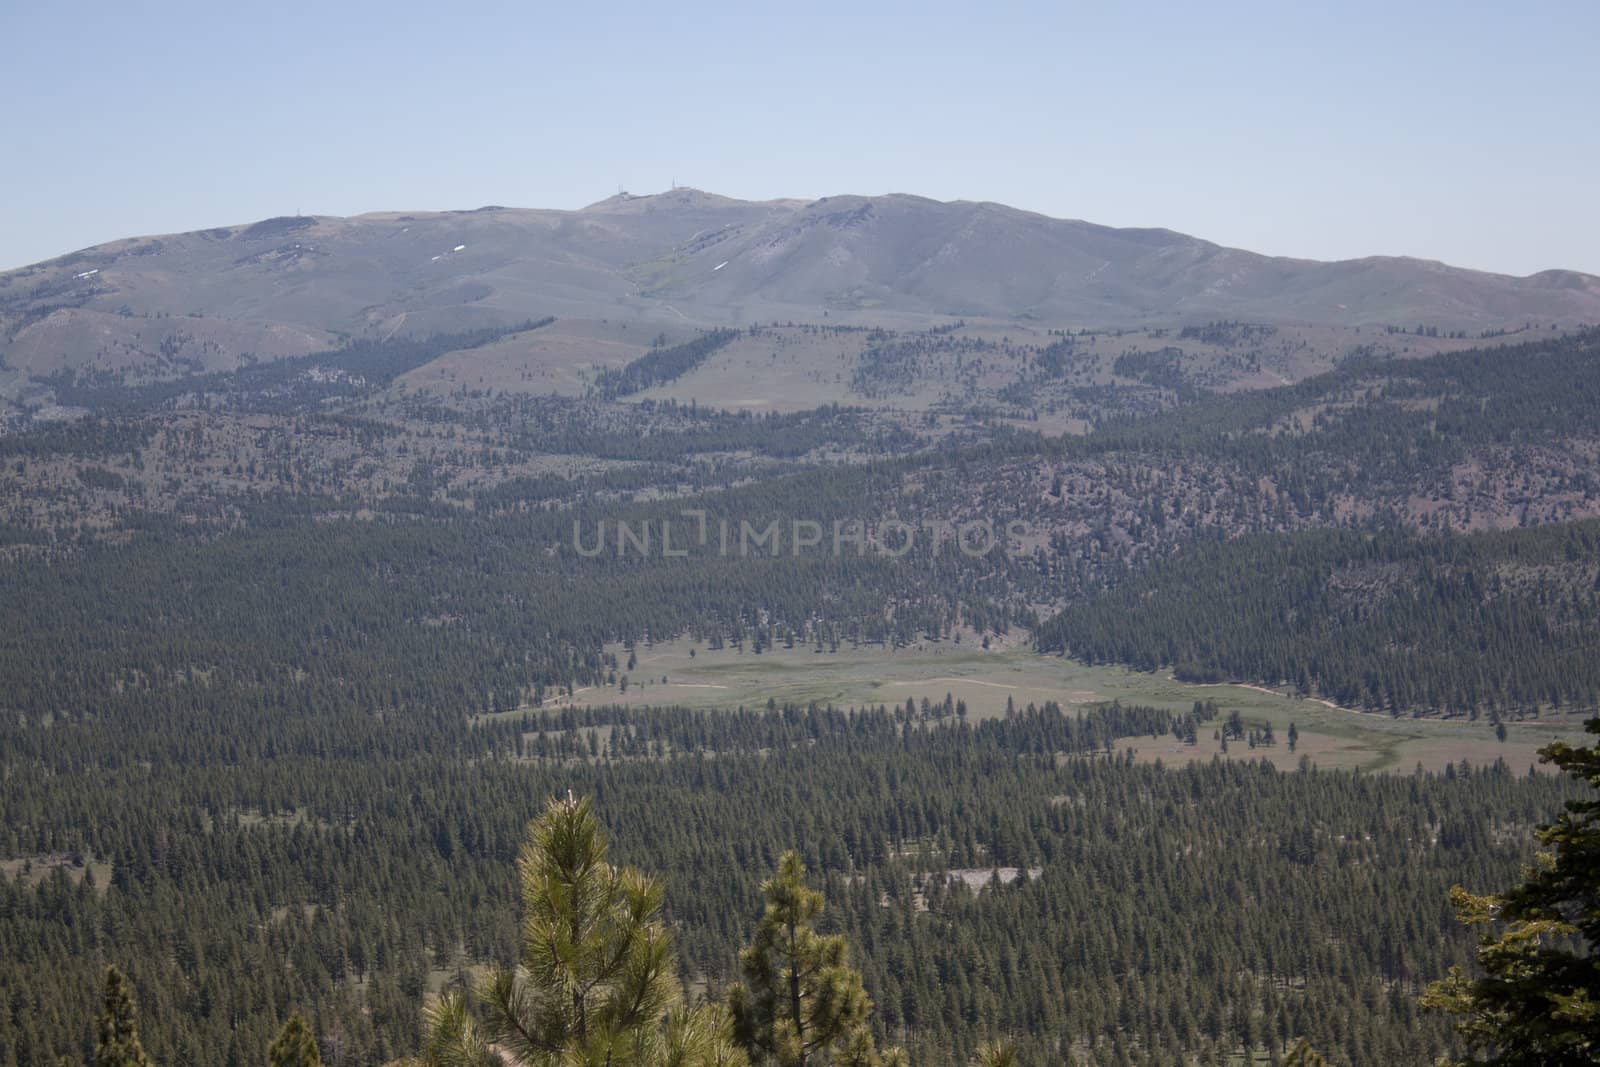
pixel 293 284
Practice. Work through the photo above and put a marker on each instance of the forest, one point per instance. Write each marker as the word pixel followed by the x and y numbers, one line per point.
pixel 296 653
pixel 1160 914
pixel 1388 621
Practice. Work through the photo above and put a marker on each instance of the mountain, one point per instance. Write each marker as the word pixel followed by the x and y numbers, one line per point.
pixel 210 299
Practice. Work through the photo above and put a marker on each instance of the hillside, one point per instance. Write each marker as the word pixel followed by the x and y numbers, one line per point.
pixel 213 299
pixel 306 641
pixel 1387 622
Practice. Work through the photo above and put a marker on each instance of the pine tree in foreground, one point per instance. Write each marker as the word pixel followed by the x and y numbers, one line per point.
pixel 801 1004
pixel 1303 1055
pixel 596 983
pixel 295 1046
pixel 1538 1002
pixel 117 1034
pixel 996 1054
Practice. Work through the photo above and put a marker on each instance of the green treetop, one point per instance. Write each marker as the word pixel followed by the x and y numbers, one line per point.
pixel 1538 1001
pixel 596 983
pixel 801 1003
pixel 117 1037
pixel 295 1046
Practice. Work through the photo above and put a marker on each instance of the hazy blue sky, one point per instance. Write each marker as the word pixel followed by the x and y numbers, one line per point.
pixel 1465 131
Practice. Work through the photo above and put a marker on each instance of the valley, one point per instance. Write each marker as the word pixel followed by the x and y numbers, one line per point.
pixel 984 681
pixel 333 550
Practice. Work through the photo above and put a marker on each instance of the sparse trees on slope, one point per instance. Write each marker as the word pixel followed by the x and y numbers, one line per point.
pixel 1538 1002
pixel 801 1003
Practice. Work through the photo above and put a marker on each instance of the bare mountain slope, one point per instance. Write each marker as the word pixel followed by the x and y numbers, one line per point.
pixel 209 299
pixel 979 259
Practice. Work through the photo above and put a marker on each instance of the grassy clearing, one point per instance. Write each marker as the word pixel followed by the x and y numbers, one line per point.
pixel 779 370
pixel 984 679
pixel 34 870
pixel 559 358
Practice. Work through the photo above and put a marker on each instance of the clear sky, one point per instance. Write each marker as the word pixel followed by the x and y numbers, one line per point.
pixel 1464 131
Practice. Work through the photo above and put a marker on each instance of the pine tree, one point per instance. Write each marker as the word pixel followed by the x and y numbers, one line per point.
pixel 295 1046
pixel 996 1054
pixel 596 983
pixel 801 1003
pixel 117 1041
pixel 1539 999
pixel 1303 1055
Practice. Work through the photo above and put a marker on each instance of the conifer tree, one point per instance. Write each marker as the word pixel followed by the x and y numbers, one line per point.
pixel 996 1054
pixel 295 1046
pixel 801 1003
pixel 1538 1001
pixel 117 1040
pixel 1303 1055
pixel 453 1036
pixel 596 982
